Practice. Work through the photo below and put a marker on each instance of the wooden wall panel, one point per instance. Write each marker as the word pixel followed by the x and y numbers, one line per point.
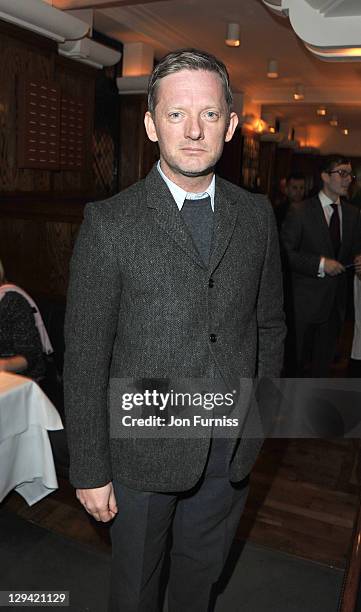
pixel 267 156
pixel 40 210
pixel 77 81
pixel 23 53
pixel 18 57
pixel 36 254
pixel 137 152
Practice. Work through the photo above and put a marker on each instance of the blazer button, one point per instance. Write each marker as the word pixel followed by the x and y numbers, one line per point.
pixel 213 338
pixel 211 283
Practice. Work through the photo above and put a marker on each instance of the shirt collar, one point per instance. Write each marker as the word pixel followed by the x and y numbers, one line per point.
pixel 326 201
pixel 180 194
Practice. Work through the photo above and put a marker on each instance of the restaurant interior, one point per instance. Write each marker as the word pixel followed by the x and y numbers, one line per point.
pixel 73 83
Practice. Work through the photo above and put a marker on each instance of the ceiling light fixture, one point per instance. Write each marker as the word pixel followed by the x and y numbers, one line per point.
pixel 333 54
pixel 232 39
pixel 272 70
pixel 299 93
pixel 322 112
pixel 334 121
pixel 345 132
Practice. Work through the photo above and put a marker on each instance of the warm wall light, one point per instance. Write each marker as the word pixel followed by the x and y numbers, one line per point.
pixel 334 121
pixel 272 70
pixel 345 132
pixel 232 39
pixel 272 130
pixel 299 93
pixel 259 126
pixel 321 111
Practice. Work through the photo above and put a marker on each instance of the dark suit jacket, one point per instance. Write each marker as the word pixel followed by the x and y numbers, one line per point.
pixel 306 237
pixel 140 305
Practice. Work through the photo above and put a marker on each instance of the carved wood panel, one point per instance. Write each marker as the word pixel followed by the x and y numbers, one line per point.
pixel 17 58
pixel 72 133
pixel 23 53
pixel 38 125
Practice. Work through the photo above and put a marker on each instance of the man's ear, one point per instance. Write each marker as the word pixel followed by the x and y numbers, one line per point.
pixel 233 122
pixel 325 177
pixel 150 127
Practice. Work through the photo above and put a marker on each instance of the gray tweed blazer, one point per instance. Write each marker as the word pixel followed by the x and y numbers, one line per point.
pixel 140 305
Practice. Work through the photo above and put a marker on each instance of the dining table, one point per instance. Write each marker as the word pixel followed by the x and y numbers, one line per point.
pixel 26 458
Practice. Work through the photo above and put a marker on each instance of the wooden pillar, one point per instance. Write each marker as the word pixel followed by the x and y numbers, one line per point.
pixel 267 155
pixel 137 152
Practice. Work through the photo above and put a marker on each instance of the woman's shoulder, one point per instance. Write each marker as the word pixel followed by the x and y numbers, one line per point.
pixel 15 301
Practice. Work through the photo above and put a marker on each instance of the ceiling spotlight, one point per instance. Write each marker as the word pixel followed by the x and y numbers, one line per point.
pixel 299 93
pixel 272 70
pixel 345 132
pixel 232 39
pixel 334 121
pixel 321 111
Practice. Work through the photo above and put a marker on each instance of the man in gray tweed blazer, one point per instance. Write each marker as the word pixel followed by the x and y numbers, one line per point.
pixel 177 277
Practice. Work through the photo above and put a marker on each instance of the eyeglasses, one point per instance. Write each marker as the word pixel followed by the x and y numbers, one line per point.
pixel 343 174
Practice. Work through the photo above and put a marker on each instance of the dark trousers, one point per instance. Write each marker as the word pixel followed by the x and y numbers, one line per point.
pixel 203 521
pixel 316 345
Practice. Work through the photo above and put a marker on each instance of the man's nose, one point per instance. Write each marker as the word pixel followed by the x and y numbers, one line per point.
pixel 194 128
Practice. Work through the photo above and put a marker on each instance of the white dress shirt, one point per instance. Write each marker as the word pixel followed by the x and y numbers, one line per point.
pixel 180 194
pixel 328 211
pixel 326 203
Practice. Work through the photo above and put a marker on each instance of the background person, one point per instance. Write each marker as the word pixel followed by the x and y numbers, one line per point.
pixel 294 192
pixel 21 348
pixel 322 237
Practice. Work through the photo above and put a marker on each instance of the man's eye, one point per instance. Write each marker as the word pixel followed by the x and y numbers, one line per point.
pixel 175 115
pixel 212 115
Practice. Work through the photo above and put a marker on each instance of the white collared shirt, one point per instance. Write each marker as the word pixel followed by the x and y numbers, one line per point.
pixel 180 194
pixel 326 203
pixel 328 211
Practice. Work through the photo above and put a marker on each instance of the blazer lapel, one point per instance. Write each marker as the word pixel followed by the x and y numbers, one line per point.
pixel 167 215
pixel 321 223
pixel 225 216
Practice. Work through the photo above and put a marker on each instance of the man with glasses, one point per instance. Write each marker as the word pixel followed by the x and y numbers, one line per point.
pixel 322 239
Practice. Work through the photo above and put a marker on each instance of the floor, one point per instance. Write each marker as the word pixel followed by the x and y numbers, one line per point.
pixel 303 500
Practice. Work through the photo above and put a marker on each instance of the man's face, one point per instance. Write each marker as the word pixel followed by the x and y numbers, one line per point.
pixel 191 122
pixel 335 185
pixel 295 190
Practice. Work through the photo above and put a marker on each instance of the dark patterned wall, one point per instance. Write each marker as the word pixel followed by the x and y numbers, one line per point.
pixel 40 210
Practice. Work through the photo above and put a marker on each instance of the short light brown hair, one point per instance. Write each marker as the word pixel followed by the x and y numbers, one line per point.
pixel 187 59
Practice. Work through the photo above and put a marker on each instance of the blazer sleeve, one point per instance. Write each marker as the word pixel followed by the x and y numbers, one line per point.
pixel 299 260
pixel 270 314
pixel 90 328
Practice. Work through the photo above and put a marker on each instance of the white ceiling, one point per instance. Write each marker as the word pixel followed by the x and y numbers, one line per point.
pixel 172 24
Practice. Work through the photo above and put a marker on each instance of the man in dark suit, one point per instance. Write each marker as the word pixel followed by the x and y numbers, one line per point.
pixel 322 240
pixel 177 277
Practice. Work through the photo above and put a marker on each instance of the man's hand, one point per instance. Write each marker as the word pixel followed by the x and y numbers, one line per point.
pixel 100 502
pixel 357 262
pixel 333 267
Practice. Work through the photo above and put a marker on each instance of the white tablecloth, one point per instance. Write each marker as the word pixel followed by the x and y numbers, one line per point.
pixel 26 460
